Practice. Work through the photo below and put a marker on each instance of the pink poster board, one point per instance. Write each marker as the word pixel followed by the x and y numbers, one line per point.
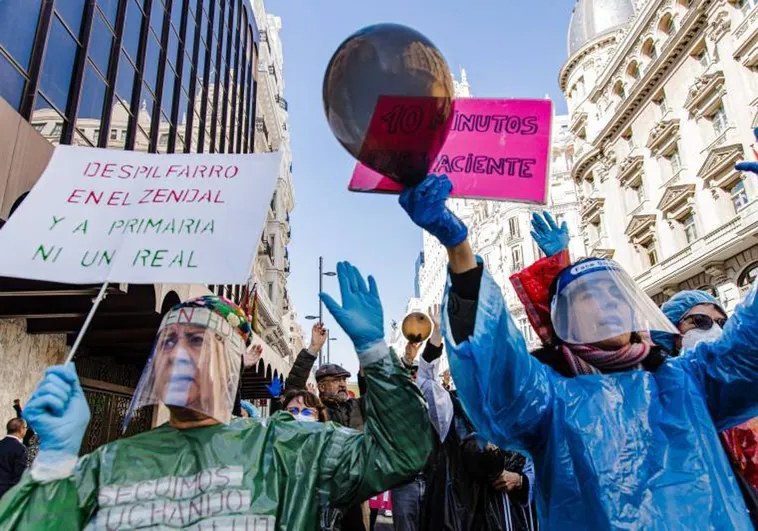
pixel 494 149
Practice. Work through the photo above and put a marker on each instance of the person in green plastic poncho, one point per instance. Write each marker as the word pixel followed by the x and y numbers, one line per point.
pixel 203 469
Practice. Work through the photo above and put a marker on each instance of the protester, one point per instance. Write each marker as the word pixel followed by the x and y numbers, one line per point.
pixel 331 380
pixel 410 358
pixel 700 317
pixel 30 439
pixel 305 406
pixel 12 454
pixel 618 440
pixel 204 469
pixel 249 410
pixel 471 485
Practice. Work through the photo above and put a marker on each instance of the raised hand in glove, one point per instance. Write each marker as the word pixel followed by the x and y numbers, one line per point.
pixel 551 238
pixel 425 204
pixel 361 315
pixel 59 413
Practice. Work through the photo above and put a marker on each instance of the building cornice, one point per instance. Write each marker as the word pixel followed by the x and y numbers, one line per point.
pixel 692 28
pixel 578 57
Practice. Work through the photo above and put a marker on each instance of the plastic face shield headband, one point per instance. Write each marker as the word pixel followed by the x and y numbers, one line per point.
pixel 194 365
pixel 596 300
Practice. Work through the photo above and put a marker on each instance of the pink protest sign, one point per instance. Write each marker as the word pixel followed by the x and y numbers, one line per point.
pixel 494 149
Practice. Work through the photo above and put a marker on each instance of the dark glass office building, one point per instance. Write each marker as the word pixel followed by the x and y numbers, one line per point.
pixel 150 75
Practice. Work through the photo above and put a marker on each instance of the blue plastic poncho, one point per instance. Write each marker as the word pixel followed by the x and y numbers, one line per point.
pixel 633 450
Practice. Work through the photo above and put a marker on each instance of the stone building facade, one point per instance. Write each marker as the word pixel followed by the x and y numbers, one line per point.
pixel 663 98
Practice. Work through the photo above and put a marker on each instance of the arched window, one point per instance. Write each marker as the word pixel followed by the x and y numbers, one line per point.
pixel 667 25
pixel 748 276
pixel 618 90
pixel 649 49
pixel 633 70
pixel 710 289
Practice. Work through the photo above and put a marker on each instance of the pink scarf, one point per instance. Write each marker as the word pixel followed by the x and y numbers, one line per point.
pixel 586 359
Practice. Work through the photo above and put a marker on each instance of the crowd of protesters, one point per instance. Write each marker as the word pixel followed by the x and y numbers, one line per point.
pixel 628 416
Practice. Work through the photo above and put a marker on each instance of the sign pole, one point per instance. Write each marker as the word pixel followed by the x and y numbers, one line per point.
pixel 87 321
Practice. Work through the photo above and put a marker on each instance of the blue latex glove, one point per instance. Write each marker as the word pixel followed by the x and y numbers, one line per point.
pixel 425 204
pixel 58 412
pixel 361 315
pixel 749 166
pixel 551 238
pixel 275 388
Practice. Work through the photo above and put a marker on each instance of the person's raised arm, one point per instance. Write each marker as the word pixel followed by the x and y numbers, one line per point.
pixel 396 438
pixel 56 493
pixel 729 366
pixel 301 369
pixel 505 391
pixel 437 397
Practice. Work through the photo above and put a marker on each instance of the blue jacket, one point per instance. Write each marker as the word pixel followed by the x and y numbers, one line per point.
pixel 635 450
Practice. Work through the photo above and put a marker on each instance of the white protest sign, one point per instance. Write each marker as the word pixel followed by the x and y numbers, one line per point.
pixel 101 215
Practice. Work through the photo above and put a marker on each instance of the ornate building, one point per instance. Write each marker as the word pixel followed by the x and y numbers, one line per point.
pixel 663 97
pixel 499 232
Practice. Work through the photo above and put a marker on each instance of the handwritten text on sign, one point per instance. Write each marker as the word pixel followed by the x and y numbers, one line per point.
pixel 496 149
pixel 98 215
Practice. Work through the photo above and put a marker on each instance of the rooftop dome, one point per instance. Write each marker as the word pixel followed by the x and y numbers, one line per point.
pixel 593 18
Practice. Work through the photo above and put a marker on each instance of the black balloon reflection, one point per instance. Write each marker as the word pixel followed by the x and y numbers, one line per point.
pixel 410 75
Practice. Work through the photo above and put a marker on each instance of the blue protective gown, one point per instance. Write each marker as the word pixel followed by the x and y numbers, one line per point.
pixel 635 450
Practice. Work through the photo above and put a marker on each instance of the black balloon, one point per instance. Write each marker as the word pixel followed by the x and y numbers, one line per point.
pixel 387 60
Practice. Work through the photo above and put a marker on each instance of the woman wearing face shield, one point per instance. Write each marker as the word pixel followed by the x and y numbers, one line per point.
pixel 699 317
pixel 204 469
pixel 622 435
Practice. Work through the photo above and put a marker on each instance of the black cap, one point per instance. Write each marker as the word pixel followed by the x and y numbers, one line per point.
pixel 331 370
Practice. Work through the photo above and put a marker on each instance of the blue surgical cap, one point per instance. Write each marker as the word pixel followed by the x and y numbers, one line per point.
pixel 677 307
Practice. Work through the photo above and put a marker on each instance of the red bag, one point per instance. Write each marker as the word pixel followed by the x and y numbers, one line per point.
pixel 741 444
pixel 532 287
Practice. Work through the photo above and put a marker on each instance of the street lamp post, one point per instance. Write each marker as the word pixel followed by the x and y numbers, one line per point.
pixel 321 275
pixel 329 346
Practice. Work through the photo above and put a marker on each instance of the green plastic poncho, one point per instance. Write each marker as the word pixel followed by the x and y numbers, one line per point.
pixel 253 474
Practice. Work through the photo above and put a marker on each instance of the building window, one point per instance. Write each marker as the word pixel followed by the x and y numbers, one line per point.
pixel 738 195
pixel 114 134
pixel 514 229
pixel 271 291
pixel 651 253
pixel 667 25
pixel 704 58
pixel 619 90
pixel 690 230
pixel 526 329
pixel 57 129
pixel 746 5
pixel 748 276
pixel 517 259
pixel 634 70
pixel 649 49
pixel 639 193
pixel 38 126
pixel 674 161
pixel 719 120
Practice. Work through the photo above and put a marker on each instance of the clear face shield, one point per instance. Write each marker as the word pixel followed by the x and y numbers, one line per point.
pixel 195 365
pixel 596 300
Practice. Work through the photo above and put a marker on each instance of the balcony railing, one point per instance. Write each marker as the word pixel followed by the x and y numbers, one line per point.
pixel 282 102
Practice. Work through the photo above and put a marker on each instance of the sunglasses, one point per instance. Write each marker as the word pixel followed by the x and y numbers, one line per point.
pixel 705 322
pixel 306 412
